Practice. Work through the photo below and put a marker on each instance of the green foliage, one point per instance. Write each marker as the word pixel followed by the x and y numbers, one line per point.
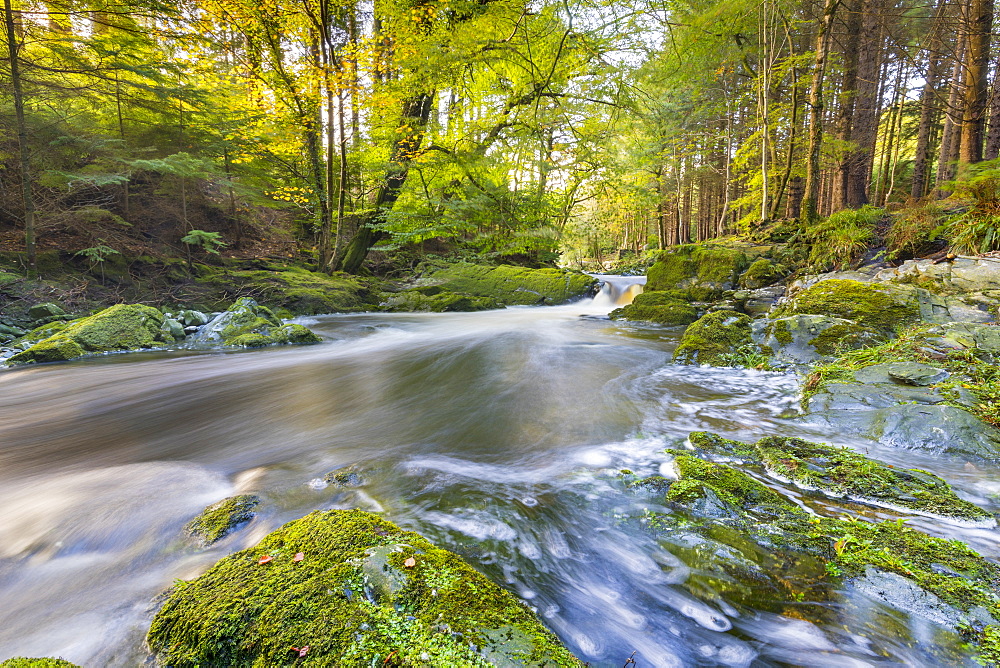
pixel 914 230
pixel 977 229
pixel 839 241
pixel 210 242
pixel 97 254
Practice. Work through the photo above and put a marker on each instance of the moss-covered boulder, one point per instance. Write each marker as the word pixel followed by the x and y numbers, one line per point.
pixel 222 518
pixel 713 338
pixel 804 339
pixel 247 324
pixel 510 285
pixel 121 327
pixel 661 308
pixel 24 662
pixel 755 543
pixel 879 306
pixel 347 588
pixel 846 472
pixel 437 302
pixel 697 272
pixel 762 272
pixel 300 291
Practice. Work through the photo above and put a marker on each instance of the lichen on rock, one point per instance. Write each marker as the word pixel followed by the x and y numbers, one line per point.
pixel 222 518
pixel 661 308
pixel 356 590
pixel 713 337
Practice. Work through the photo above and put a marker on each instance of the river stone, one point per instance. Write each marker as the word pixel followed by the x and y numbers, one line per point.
pixel 866 397
pixel 913 373
pixel 802 339
pixel 906 595
pixel 936 429
pixel 760 301
pixel 45 310
pixel 172 328
pixel 192 318
pixel 962 276
pixel 965 335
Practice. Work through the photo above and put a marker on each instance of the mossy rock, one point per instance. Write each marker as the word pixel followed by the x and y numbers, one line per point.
pixel 512 285
pixel 437 302
pixel 879 306
pixel 300 291
pixel 222 518
pixel 761 273
pixel 661 308
pixel 713 337
pixel 756 539
pixel 698 272
pixel 24 662
pixel 846 472
pixel 120 327
pixel 803 339
pixel 7 278
pixel 247 324
pixel 363 592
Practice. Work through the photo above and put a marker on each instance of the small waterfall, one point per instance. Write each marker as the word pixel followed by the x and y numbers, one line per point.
pixel 617 290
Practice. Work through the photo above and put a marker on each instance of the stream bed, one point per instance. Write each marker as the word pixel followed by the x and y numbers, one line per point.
pixel 498 435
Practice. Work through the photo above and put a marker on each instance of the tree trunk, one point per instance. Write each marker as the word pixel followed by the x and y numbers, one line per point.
pixel 848 95
pixel 868 106
pixel 978 25
pixel 928 108
pixel 952 126
pixel 24 162
pixel 811 198
pixel 416 112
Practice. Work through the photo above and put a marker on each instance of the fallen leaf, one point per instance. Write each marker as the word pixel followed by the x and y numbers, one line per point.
pixel 301 650
pixel 410 563
pixel 298 556
pixel 265 559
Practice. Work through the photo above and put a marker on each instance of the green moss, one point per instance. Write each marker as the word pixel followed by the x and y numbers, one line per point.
pixel 512 285
pixel 299 291
pixel 661 308
pixel 354 599
pixel 699 272
pixel 220 519
pixel 989 646
pixel 844 336
pixel 6 279
pixel 121 327
pixel 249 325
pixel 878 306
pixel 23 662
pixel 713 336
pixel 437 302
pixel 729 484
pixel 773 541
pixel 782 333
pixel 760 273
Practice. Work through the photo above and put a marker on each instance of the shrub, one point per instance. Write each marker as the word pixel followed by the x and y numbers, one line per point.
pixel 839 241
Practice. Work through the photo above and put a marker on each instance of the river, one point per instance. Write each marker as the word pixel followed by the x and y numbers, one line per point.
pixel 496 434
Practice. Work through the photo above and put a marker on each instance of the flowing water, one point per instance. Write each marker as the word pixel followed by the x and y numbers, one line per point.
pixel 498 435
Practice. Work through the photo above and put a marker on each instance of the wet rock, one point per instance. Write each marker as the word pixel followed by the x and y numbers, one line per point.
pixel 881 307
pixel 192 318
pixel 248 325
pixel 761 273
pixel 963 276
pixel 913 373
pixel 803 339
pixel 772 544
pixel 845 472
pixel 963 336
pixel 761 301
pixel 173 329
pixel 121 327
pixel 661 308
pixel 45 310
pixel 697 272
pixel 350 586
pixel 344 478
pixel 935 429
pixel 222 518
pixel 713 337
